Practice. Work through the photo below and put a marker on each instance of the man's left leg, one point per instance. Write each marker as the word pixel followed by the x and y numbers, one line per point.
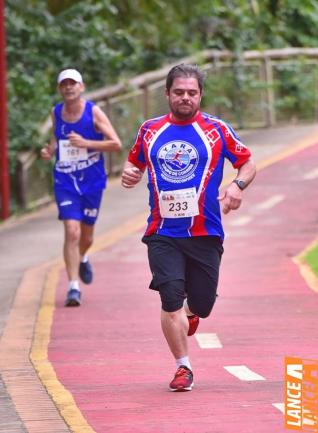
pixel 90 208
pixel 202 278
pixel 85 242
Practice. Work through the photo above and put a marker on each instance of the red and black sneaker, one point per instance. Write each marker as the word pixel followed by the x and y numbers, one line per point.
pixel 193 324
pixel 183 380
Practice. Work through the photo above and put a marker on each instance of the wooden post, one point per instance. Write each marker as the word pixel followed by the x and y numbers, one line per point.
pixel 146 102
pixel 270 96
pixel 108 155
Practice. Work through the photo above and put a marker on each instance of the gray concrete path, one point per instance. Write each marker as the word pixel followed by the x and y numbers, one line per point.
pixel 37 238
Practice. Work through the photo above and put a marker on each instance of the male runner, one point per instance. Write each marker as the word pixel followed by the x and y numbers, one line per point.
pixel 184 153
pixel 82 132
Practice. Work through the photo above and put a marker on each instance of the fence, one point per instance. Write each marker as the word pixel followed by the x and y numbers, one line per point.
pixel 250 90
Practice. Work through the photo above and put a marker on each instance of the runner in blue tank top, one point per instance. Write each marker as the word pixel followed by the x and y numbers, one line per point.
pixel 184 154
pixel 82 132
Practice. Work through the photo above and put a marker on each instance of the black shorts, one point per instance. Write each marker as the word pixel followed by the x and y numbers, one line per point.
pixel 185 267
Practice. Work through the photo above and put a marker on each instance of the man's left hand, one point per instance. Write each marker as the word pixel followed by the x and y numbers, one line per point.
pixel 231 198
pixel 77 140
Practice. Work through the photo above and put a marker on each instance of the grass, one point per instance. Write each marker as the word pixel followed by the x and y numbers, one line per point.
pixel 312 259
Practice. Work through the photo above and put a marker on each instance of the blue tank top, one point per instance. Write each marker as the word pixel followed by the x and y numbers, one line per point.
pixel 82 172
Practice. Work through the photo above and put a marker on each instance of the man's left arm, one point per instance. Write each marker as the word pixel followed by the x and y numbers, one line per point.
pixel 245 174
pixel 111 142
pixel 231 198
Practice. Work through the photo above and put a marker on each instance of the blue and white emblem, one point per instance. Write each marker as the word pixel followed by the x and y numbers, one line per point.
pixel 178 161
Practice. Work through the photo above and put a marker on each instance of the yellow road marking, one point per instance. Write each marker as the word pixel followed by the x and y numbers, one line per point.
pixel 308 141
pixel 305 270
pixel 39 351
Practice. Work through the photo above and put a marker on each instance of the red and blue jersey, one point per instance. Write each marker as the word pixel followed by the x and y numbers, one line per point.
pixel 187 154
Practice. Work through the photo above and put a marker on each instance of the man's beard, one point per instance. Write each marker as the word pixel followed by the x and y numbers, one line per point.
pixel 183 115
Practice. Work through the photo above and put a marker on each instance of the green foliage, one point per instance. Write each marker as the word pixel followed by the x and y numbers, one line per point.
pixel 312 259
pixel 236 94
pixel 110 40
pixel 296 98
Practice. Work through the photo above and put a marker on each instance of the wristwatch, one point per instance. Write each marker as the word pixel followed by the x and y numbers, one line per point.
pixel 240 183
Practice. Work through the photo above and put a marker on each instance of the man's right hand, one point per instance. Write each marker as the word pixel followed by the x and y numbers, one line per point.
pixel 131 176
pixel 46 155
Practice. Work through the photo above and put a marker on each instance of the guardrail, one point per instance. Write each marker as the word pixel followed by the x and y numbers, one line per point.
pixel 249 89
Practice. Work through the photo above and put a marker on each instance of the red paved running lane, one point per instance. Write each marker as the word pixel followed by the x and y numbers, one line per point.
pixel 110 353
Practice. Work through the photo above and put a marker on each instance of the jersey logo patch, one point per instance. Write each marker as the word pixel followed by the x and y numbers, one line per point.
pixel 239 147
pixel 178 161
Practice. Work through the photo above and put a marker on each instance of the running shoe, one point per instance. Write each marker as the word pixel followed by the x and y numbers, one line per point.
pixel 86 272
pixel 183 380
pixel 193 324
pixel 73 298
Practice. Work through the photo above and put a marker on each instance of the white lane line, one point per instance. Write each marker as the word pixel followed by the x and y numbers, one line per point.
pixel 280 406
pixel 243 373
pixel 311 174
pixel 241 221
pixel 208 341
pixel 271 202
pixel 265 205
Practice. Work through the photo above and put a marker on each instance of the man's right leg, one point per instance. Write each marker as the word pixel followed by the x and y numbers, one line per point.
pixel 70 213
pixel 167 262
pixel 175 327
pixel 72 233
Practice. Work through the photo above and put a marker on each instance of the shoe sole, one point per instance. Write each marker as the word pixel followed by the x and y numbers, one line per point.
pixel 188 388
pixel 86 281
pixel 72 303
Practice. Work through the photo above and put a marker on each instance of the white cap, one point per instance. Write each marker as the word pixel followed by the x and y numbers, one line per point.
pixel 71 74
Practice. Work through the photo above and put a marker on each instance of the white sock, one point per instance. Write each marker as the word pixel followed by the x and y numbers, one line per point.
pixel 186 308
pixel 183 361
pixel 84 259
pixel 74 285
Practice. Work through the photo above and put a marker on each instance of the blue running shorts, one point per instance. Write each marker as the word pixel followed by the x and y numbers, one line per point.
pixel 80 207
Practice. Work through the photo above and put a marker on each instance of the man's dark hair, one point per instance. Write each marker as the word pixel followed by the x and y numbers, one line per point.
pixel 187 71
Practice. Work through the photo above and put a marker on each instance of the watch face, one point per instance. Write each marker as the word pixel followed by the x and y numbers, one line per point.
pixel 240 183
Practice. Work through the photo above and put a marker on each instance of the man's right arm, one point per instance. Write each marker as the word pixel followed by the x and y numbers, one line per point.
pixel 131 175
pixel 135 165
pixel 48 150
